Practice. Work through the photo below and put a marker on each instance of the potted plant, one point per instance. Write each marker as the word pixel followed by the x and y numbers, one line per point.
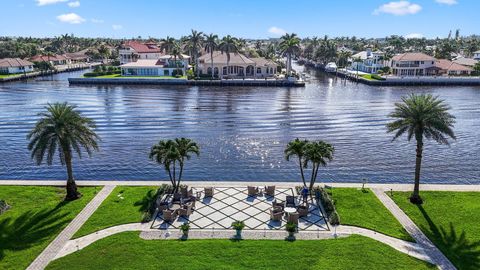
pixel 238 226
pixel 185 227
pixel 291 229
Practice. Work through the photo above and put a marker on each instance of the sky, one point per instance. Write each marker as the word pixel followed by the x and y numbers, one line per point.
pixel 241 18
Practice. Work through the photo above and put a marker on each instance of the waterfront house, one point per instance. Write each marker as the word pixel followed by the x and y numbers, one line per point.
pixel 413 64
pixel 163 66
pixel 370 62
pixel 450 68
pixel 55 59
pixel 15 65
pixel 239 66
pixel 476 55
pixel 78 57
pixel 132 51
pixel 468 62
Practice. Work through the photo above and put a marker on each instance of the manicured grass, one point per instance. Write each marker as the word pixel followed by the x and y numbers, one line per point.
pixel 123 205
pixel 9 75
pixel 128 251
pixel 37 216
pixel 364 209
pixel 451 220
pixel 115 76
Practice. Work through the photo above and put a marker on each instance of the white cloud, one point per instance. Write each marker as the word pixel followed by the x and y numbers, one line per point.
pixel 49 2
pixel 277 31
pixel 71 18
pixel 447 2
pixel 414 35
pixel 398 8
pixel 96 20
pixel 117 27
pixel 74 4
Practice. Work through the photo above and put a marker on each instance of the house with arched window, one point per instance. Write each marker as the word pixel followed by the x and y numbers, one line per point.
pixel 238 66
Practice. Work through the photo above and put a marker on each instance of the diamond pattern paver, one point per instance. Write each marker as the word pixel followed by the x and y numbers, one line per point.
pixel 233 203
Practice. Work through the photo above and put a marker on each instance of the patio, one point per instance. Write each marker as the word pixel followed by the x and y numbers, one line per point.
pixel 229 204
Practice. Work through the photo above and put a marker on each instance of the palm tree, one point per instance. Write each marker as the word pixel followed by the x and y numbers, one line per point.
pixel 421 116
pixel 211 45
pixel 62 129
pixel 176 52
pixel 297 148
pixel 318 153
pixel 172 152
pixel 195 42
pixel 228 45
pixel 167 44
pixel 289 46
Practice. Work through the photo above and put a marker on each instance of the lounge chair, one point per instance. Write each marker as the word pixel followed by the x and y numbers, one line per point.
pixel 276 203
pixel 208 192
pixel 275 216
pixel 290 201
pixel 302 211
pixel 270 190
pixel 293 218
pixel 252 191
pixel 169 215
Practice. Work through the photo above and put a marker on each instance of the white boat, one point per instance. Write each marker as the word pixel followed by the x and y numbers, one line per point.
pixel 331 67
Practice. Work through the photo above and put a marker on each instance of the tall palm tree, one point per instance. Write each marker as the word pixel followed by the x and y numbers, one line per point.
pixel 297 148
pixel 421 116
pixel 167 44
pixel 211 45
pixel 64 130
pixel 228 45
pixel 318 153
pixel 195 42
pixel 176 52
pixel 171 153
pixel 289 46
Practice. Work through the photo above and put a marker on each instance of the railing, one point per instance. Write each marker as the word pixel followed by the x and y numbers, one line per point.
pixel 408 65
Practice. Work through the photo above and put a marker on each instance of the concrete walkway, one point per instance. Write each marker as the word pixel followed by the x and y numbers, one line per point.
pixel 386 186
pixel 409 248
pixel 60 241
pixel 431 250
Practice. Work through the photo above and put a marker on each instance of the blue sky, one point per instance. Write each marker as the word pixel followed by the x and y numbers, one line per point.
pixel 245 18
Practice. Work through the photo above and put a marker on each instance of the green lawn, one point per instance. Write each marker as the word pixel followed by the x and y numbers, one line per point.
pixel 136 77
pixel 115 210
pixel 9 75
pixel 128 251
pixel 364 209
pixel 37 216
pixel 451 220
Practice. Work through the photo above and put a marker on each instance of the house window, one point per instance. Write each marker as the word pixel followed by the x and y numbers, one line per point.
pixel 259 70
pixel 209 71
pixel 224 70
pixel 166 72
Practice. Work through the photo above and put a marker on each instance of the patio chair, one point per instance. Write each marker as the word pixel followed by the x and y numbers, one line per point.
pixel 169 215
pixel 276 216
pixel 277 209
pixel 186 211
pixel 208 192
pixel 163 206
pixel 293 218
pixel 270 190
pixel 252 191
pixel 176 197
pixel 276 203
pixel 184 191
pixel 191 200
pixel 290 201
pixel 302 211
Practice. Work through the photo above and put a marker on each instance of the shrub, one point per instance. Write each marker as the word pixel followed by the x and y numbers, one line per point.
pixel 334 219
pixel 152 204
pixel 377 77
pixel 185 227
pixel 190 74
pixel 3 206
pixel 291 227
pixel 328 204
pixel 90 74
pixel 238 225
pixel 177 73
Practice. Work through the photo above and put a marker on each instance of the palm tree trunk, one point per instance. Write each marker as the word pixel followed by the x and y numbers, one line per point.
pixel 301 171
pixel 196 64
pixel 211 59
pixel 72 192
pixel 170 176
pixel 415 198
pixel 312 183
pixel 175 187
pixel 180 174
pixel 288 65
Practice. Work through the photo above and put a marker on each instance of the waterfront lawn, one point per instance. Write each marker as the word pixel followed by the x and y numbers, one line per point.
pixel 9 75
pixel 128 251
pixel 124 205
pixel 451 220
pixel 118 76
pixel 364 209
pixel 37 215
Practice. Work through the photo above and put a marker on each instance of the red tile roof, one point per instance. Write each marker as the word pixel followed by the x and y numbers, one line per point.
pixel 412 57
pixel 14 62
pixel 449 65
pixel 45 58
pixel 142 47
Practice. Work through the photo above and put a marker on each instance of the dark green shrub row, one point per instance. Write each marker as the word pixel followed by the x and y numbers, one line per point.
pixel 328 204
pixel 101 73
pixel 378 77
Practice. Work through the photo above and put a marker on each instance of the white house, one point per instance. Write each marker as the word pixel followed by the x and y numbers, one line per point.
pixel 15 65
pixel 413 64
pixel 239 66
pixel 163 66
pixel 132 51
pixel 370 62
pixel 476 55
